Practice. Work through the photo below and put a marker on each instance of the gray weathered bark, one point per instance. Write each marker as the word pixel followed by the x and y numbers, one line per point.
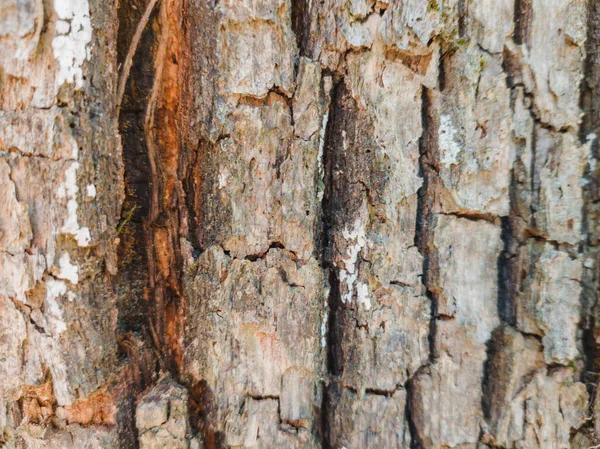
pixel 299 224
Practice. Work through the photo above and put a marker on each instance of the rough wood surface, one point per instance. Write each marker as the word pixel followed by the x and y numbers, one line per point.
pixel 337 224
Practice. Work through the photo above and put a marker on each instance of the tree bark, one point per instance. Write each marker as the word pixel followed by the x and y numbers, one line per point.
pixel 299 224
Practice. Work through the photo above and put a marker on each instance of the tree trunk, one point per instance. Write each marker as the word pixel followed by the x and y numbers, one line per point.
pixel 299 224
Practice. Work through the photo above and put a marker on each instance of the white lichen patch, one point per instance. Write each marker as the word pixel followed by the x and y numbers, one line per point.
pixel 90 190
pixel 449 147
pixel 325 319
pixel 73 34
pixel 63 27
pixel 362 293
pixel 68 271
pixel 53 312
pixel 349 275
pixel 223 179
pixel 68 189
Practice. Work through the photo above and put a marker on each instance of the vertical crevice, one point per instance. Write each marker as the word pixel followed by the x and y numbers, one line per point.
pixel 590 85
pixel 334 356
pixel 151 306
pixel 331 206
pixel 347 173
pixel 428 167
pixel 133 278
pixel 462 18
pixel 522 21
pixel 132 281
pixel 506 281
pixel 442 73
pixel 201 408
pixel 328 208
pixel 324 424
pixel 487 384
pixel 415 440
pixel 167 217
pixel 301 23
pixel 426 198
pixel 588 134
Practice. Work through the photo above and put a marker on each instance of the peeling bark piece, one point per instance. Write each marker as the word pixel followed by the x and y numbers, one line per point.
pixel 301 171
pixel 251 325
pixel 545 411
pixel 68 438
pixel 32 133
pixel 246 211
pixel 162 416
pixel 464 279
pixel 490 22
pixel 560 163
pixel 554 55
pixel 514 359
pixel 371 203
pixel 476 151
pixel 382 318
pixel 375 161
pixel 412 24
pixel 371 421
pixel 265 174
pixel 258 48
pixel 446 410
pixel 295 404
pixel 386 347
pixel 258 427
pixel 548 302
pixel 29 67
pixel 447 396
pixel 403 28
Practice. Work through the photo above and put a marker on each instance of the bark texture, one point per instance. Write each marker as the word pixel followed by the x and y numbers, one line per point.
pixel 336 224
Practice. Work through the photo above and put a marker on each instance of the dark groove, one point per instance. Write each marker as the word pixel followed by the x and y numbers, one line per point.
pixel 329 208
pixel 442 71
pixel 132 278
pixel 301 23
pixel 333 301
pixel 590 85
pixel 522 20
pixel 202 411
pixel 590 106
pixel 488 382
pixel 506 305
pixel 324 417
pixel 425 198
pixel 415 442
pixel 462 18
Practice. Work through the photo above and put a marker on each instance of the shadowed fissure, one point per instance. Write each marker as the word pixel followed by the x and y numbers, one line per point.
pixel 152 59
